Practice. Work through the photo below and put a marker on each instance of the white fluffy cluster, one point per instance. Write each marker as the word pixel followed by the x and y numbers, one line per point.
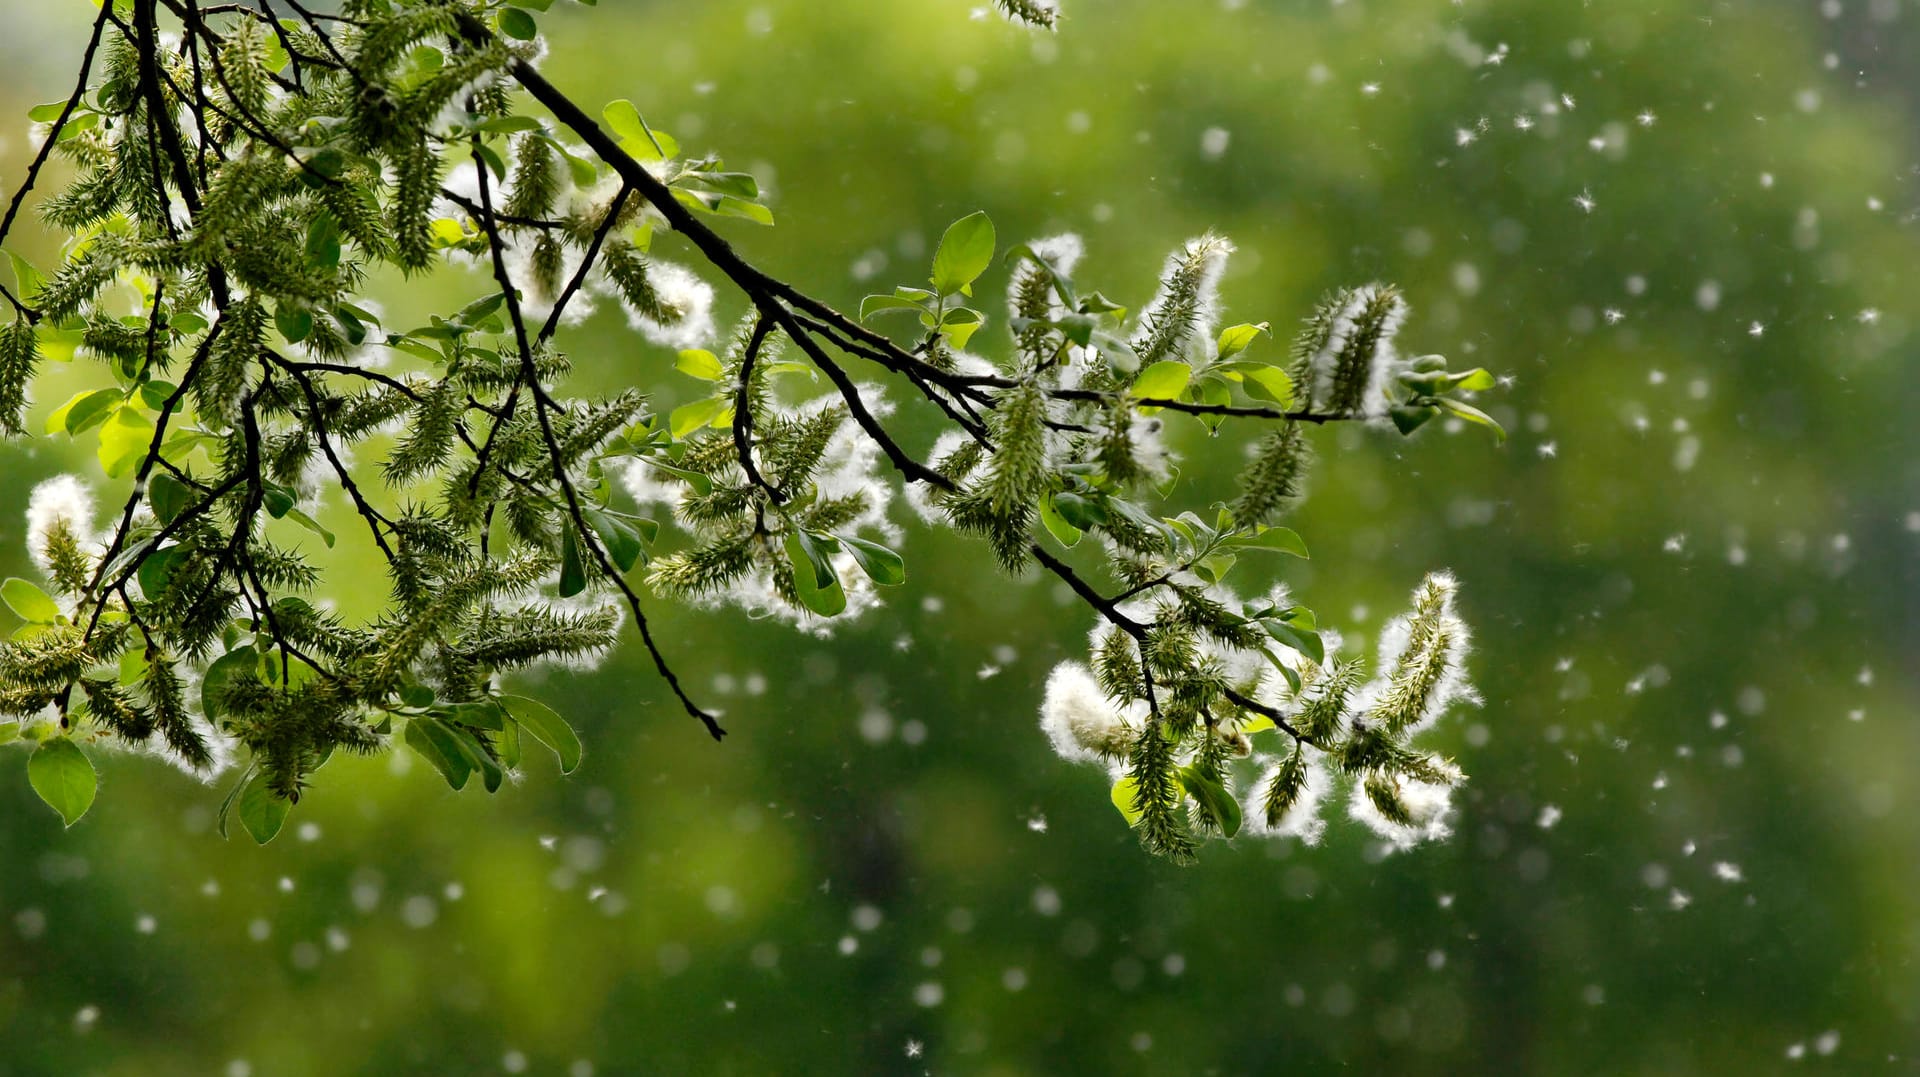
pixel 679 290
pixel 1081 723
pixel 851 464
pixel 1386 361
pixel 1196 344
pixel 678 287
pixel 1429 807
pixel 62 503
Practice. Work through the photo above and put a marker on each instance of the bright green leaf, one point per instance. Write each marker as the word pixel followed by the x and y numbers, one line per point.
pixel 882 565
pixel 1164 380
pixel 965 252
pixel 63 776
pixel 262 811
pixel 32 604
pixel 699 363
pixel 547 727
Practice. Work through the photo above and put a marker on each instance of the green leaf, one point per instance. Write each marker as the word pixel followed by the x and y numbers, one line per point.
pixel 63 776
pixel 478 758
pixel 1213 798
pixel 573 573
pixel 46 113
pixel 32 604
pixel 1473 415
pixel 1164 380
pixel 1410 417
pixel 435 742
pixel 85 409
pixel 1079 512
pixel 323 241
pixel 688 418
pixel 814 580
pixel 883 304
pixel 311 524
pixel 156 570
pixel 1305 641
pixel 639 140
pixel 239 662
pixel 26 278
pixel 965 252
pixel 517 24
pixel 1234 339
pixel 1269 383
pixel 547 727
pixel 1057 525
pixel 294 323
pixel 882 565
pixel 124 440
pixel 262 811
pixel 1278 539
pixel 621 539
pixel 959 325
pixel 1125 795
pixel 699 363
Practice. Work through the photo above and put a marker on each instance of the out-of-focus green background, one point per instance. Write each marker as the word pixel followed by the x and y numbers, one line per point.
pixel 1689 845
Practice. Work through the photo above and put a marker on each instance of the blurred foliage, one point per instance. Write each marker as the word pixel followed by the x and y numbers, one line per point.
pixel 1688 845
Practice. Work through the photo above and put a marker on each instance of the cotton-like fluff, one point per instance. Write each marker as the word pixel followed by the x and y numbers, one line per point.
pixel 1428 807
pixel 850 465
pixel 1081 723
pixel 1178 322
pixel 679 290
pixel 1421 664
pixel 919 496
pixel 60 504
pixel 1355 336
pixel 1303 819
pixel 1062 253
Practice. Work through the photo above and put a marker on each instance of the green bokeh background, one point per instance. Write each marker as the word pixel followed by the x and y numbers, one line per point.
pixel 1693 574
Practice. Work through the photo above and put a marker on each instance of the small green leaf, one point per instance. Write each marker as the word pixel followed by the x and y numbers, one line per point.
pixel 965 252
pixel 517 24
pixel 1125 795
pixel 882 565
pixel 156 570
pixel 1212 796
pixel 883 304
pixel 239 662
pixel 1234 339
pixel 1410 417
pixel 1473 415
pixel 262 811
pixel 63 776
pixel 1164 380
pixel 323 241
pixel 85 409
pixel 1305 641
pixel 688 418
pixel 1279 539
pixel 294 323
pixel 547 727
pixel 32 604
pixel 638 139
pixel 814 580
pixel 124 440
pixel 621 539
pixel 311 524
pixel 1269 383
pixel 699 363
pixel 168 496
pixel 435 742
pixel 573 573
pixel 1057 525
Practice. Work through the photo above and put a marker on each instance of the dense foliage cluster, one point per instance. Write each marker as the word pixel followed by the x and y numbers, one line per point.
pixel 243 183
